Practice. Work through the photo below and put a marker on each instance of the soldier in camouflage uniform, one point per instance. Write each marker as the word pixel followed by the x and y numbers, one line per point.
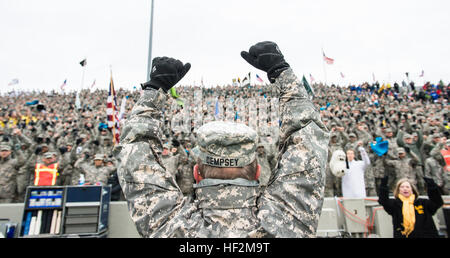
pixel 95 172
pixel 68 157
pixel 404 165
pixel 9 168
pixel 405 140
pixel 227 205
pixel 435 168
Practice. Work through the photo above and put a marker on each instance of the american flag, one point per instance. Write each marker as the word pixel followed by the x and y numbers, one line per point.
pixel 311 77
pixel 259 78
pixel 327 59
pixel 13 82
pixel 112 112
pixel 63 85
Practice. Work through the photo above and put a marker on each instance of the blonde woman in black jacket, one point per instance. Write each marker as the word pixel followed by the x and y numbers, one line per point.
pixel 412 217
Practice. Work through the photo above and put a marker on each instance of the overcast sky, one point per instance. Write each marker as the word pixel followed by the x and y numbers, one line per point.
pixel 42 42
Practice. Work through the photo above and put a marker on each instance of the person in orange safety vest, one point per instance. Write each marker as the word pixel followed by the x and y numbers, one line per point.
pixel 48 172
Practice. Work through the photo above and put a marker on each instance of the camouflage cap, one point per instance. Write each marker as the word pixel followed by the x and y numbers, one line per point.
pixel 436 135
pixel 388 130
pixel 5 147
pixel 49 154
pixel 99 157
pixel 401 150
pixel 407 135
pixel 352 135
pixel 226 144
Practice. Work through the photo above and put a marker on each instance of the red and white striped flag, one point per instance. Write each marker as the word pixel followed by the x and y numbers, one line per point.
pixel 311 77
pixel 259 78
pixel 112 113
pixel 63 85
pixel 327 59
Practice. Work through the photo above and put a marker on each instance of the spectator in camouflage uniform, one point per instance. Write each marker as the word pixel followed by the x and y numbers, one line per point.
pixel 404 165
pixel 228 202
pixel 95 172
pixel 411 147
pixel 9 169
pixel 435 168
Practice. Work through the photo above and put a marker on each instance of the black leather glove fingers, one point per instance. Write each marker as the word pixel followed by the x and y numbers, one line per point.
pixel 166 72
pixel 266 56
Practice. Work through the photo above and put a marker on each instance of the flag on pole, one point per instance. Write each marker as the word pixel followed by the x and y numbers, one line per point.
pixel 64 84
pixel 13 82
pixel 342 75
pixel 84 62
pixel 311 78
pixel 308 88
pixel 259 78
pixel 328 60
pixel 112 113
pixel 421 75
pixel 373 76
pixel 93 84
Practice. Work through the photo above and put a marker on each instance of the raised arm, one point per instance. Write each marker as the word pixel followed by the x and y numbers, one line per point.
pixel 152 193
pixel 364 156
pixel 435 200
pixel 292 202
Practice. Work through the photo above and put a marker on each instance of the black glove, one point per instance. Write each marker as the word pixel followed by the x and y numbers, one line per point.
pixel 429 181
pixel 63 150
pixel 166 72
pixel 79 140
pixel 266 56
pixel 407 149
pixel 38 150
pixel 384 181
pixel 175 143
pixel 96 142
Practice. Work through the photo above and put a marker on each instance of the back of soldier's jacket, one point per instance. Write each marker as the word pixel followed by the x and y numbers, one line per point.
pixel 290 206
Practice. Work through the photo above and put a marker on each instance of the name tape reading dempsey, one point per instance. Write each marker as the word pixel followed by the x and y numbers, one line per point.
pixel 222 162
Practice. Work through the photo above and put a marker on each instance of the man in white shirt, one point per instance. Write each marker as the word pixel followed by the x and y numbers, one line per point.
pixel 353 185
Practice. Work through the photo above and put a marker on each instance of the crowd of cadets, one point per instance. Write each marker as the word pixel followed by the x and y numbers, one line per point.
pixel 55 141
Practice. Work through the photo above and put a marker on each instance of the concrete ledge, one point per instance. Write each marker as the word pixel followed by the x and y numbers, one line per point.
pixel 332 222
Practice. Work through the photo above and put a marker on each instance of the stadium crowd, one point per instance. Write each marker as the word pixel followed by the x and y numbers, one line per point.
pixel 398 130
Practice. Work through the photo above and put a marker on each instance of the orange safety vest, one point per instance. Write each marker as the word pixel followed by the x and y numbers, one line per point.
pixel 44 175
pixel 446 154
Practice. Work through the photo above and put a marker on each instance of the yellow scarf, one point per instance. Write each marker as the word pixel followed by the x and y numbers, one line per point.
pixel 409 217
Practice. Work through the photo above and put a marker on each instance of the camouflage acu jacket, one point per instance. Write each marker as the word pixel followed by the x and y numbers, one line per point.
pixel 289 206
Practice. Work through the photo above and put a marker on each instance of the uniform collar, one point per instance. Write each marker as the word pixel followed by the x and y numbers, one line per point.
pixel 226 194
